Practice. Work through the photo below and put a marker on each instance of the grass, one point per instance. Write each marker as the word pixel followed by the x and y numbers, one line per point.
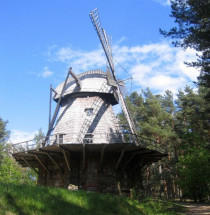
pixel 31 200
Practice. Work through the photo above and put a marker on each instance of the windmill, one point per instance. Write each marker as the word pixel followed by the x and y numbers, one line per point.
pixel 112 81
pixel 85 146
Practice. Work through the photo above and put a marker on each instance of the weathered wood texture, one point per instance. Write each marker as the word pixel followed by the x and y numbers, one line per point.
pixel 90 178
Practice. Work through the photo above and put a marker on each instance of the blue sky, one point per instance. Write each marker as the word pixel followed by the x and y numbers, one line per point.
pixel 40 39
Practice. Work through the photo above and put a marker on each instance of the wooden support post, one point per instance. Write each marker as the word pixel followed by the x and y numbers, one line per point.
pixel 119 188
pixel 83 152
pixel 121 156
pixel 42 164
pixel 102 156
pixel 66 159
pixel 29 164
pixel 51 158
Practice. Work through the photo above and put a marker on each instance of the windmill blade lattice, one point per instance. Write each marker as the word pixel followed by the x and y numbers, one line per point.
pixel 104 39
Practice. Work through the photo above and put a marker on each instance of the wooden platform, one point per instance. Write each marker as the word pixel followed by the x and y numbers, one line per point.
pixel 124 151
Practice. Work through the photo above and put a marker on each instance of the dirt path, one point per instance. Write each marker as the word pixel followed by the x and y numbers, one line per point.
pixel 196 209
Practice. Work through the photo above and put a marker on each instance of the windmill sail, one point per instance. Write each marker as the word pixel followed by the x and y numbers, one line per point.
pixel 104 39
pixel 106 44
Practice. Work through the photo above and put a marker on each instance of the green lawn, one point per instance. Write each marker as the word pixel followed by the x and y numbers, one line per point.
pixel 31 200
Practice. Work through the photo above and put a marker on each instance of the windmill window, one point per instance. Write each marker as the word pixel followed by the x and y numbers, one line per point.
pixel 88 138
pixel 60 138
pixel 89 111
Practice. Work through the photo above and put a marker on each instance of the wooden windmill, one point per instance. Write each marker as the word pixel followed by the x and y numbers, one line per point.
pixel 87 148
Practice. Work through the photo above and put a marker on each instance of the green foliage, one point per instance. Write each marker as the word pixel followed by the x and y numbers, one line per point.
pixel 193 30
pixel 46 200
pixel 194 174
pixel 10 171
pixel 191 116
pixel 3 131
pixel 152 115
pixel 154 119
pixel 157 206
pixel 39 138
pixel 182 127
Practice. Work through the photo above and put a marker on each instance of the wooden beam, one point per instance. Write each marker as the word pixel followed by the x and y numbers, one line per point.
pixel 56 109
pixel 137 165
pixel 42 164
pixel 121 155
pixel 29 164
pixel 144 152
pixel 83 153
pixel 50 105
pixel 53 90
pixel 102 156
pixel 49 151
pixel 65 148
pixel 129 160
pixel 52 159
pixel 78 82
pixel 36 153
pixel 66 159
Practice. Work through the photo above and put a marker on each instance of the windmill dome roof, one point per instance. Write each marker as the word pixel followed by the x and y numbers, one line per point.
pixel 91 81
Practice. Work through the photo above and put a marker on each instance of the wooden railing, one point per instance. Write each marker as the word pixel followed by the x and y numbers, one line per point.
pixel 98 138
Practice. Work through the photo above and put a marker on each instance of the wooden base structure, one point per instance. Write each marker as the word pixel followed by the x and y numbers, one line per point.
pixel 92 167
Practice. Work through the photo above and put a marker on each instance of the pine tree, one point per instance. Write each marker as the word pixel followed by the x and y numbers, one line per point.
pixel 153 116
pixel 193 30
pixel 192 129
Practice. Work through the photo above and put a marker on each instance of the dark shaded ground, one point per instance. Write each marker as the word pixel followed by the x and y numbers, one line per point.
pixel 196 209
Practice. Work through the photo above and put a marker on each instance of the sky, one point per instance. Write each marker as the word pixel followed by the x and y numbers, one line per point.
pixel 41 39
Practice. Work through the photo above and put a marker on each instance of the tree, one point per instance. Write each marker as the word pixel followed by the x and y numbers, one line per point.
pixel 192 130
pixel 194 174
pixel 10 170
pixel 153 117
pixel 39 138
pixel 191 118
pixel 182 127
pixel 3 131
pixel 4 135
pixel 193 30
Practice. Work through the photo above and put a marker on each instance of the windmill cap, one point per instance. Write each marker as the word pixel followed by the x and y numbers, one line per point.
pixel 94 81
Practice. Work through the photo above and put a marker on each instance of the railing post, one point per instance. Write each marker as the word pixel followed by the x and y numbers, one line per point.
pixel 130 138
pixel 27 145
pixel 12 149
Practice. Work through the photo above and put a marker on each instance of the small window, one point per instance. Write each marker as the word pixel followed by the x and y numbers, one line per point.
pixel 60 138
pixel 88 138
pixel 89 111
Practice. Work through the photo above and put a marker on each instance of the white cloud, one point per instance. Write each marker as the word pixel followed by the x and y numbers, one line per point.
pixel 45 73
pixel 158 66
pixel 79 60
pixel 163 2
pixel 17 136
